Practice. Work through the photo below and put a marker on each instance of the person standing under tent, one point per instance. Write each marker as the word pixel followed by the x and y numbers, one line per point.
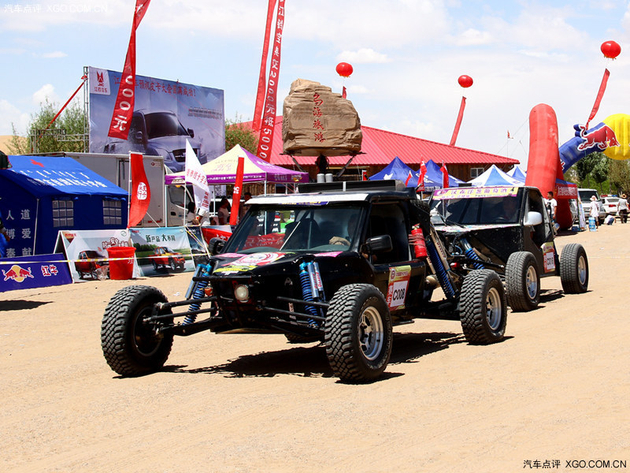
pixel 224 211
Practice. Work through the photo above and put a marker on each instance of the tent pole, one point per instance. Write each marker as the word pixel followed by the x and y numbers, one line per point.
pixel 36 220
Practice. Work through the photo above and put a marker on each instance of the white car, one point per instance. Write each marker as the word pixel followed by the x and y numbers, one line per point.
pixel 585 197
pixel 610 205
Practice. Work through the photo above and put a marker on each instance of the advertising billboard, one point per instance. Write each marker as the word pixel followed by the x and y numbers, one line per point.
pixel 166 114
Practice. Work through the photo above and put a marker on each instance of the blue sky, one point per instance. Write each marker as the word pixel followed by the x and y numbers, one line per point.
pixel 406 54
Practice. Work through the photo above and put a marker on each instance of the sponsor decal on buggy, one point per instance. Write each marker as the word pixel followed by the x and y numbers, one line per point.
pixel 397 286
pixel 332 254
pixel 474 192
pixel 549 260
pixel 248 262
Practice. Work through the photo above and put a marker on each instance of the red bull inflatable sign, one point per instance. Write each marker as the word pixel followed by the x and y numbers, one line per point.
pixel 612 137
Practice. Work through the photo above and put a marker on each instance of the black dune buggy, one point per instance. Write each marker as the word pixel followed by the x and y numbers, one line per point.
pixel 340 263
pixel 507 229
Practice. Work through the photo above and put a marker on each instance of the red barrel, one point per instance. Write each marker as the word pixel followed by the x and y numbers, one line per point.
pixel 121 264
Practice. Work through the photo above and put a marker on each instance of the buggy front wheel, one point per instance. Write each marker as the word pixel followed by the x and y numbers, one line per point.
pixel 358 333
pixel 131 344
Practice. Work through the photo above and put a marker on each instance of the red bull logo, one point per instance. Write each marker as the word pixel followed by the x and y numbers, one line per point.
pixel 602 138
pixel 17 273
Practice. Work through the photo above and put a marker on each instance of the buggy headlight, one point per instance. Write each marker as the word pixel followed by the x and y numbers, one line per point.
pixel 241 292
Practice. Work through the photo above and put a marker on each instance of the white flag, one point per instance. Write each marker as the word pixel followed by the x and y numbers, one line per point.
pixel 199 180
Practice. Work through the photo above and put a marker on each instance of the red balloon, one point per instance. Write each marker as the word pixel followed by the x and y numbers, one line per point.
pixel 465 81
pixel 344 69
pixel 611 49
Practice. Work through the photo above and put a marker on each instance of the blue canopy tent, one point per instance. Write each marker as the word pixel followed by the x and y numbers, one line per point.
pixel 434 173
pixel 395 170
pixel 517 174
pixel 495 177
pixel 41 195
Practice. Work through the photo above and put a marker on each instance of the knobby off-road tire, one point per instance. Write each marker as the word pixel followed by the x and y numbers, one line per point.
pixel 358 333
pixel 131 346
pixel 574 269
pixel 483 308
pixel 522 282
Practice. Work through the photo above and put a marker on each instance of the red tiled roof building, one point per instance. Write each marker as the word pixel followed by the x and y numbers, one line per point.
pixel 380 147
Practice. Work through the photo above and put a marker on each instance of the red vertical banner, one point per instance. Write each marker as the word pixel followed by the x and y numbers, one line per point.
pixel 422 173
pixel 262 78
pixel 408 179
pixel 444 176
pixel 238 190
pixel 125 99
pixel 598 99
pixel 265 140
pixel 460 115
pixel 140 190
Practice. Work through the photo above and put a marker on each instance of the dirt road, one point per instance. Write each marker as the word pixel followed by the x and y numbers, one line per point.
pixel 556 390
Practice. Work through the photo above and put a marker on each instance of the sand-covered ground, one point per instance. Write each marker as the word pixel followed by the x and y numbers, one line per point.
pixel 557 390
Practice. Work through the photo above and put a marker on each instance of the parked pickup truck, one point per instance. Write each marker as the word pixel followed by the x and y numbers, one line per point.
pixel 93 263
pixel 164 257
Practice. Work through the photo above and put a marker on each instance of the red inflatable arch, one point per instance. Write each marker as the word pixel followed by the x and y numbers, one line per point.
pixel 543 165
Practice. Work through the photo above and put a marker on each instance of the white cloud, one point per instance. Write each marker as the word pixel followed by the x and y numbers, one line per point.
pixel 11 115
pixel 363 56
pixel 541 28
pixel 357 89
pixel 54 55
pixel 43 14
pixel 473 37
pixel 47 92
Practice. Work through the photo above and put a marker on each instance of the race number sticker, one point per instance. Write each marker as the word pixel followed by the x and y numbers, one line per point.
pixel 397 286
pixel 549 257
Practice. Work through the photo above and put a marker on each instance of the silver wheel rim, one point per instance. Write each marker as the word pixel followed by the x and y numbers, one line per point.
pixel 581 267
pixel 531 282
pixel 371 336
pixel 493 308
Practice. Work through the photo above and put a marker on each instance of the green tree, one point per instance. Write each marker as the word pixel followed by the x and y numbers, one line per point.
pixel 67 133
pixel 237 133
pixel 600 170
pixel 584 167
pixel 619 175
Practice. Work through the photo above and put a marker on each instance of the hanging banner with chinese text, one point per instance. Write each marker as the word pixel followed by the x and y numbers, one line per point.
pixel 265 140
pixel 140 190
pixel 123 110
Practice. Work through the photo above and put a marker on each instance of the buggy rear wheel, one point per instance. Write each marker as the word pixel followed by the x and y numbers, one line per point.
pixel 483 309
pixel 522 282
pixel 358 333
pixel 131 345
pixel 574 269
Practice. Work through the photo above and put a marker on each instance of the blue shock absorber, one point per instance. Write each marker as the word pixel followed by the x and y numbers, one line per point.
pixel 197 292
pixel 477 264
pixel 442 275
pixel 470 253
pixel 307 291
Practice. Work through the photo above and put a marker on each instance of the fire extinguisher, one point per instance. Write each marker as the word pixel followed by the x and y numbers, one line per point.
pixel 417 240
